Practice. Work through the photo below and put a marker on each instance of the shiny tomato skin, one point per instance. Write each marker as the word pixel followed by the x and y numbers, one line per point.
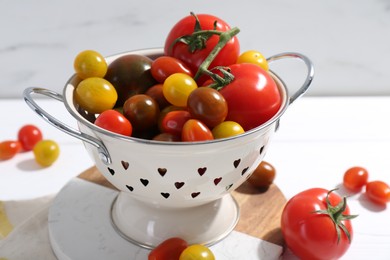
pixel 355 178
pixel 115 122
pixel 378 192
pixel 311 235
pixel 46 152
pixel 156 92
pixel 169 249
pixel 90 63
pixel 263 176
pixel 227 56
pixel 28 136
pixel 194 130
pixel 253 96
pixel 164 66
pixel 166 137
pixel 197 252
pixel 227 129
pixel 9 149
pixel 174 121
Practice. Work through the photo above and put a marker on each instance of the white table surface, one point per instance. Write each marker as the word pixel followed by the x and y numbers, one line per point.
pixel 318 139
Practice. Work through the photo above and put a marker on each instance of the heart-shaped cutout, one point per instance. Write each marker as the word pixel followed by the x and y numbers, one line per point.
pixel 130 188
pixel 125 165
pixel 228 187
pixel 145 182
pixel 201 171
pixel 111 171
pixel 261 149
pixel 217 180
pixel 178 185
pixel 236 163
pixel 165 195
pixel 195 194
pixel 162 171
pixel 244 170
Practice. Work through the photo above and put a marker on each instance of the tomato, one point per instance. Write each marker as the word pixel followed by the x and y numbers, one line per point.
pixel 130 75
pixel 164 66
pixel 378 192
pixel 227 129
pixel 194 130
pixel 156 92
pixel 308 228
pixel 115 122
pixel 46 152
pixel 9 149
pixel 142 111
pixel 253 96
pixel 95 95
pixel 174 121
pixel 197 252
pixel 355 178
pixel 253 57
pixel 263 176
pixel 89 64
pixel 177 88
pixel 194 57
pixel 165 111
pixel 207 105
pixel 28 136
pixel 169 249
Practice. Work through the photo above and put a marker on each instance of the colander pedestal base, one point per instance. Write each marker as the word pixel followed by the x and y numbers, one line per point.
pixel 148 225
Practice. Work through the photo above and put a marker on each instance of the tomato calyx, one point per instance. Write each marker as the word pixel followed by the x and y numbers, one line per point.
pixel 219 81
pixel 337 216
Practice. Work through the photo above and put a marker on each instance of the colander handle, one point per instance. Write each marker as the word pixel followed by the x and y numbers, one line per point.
pixel 27 94
pixel 310 71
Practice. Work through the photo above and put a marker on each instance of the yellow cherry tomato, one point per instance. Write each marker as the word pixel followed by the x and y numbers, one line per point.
pixel 177 87
pixel 197 252
pixel 46 152
pixel 95 95
pixel 90 63
pixel 227 129
pixel 253 57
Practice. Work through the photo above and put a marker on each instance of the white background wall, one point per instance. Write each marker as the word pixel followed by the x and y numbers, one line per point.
pixel 348 41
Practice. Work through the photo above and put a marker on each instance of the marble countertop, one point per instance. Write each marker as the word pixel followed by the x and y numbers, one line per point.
pixel 348 41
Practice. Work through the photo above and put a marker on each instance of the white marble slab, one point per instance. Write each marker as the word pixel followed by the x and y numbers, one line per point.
pixel 348 41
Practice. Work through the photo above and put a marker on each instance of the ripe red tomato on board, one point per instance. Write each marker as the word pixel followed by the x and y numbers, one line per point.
pixel 308 229
pixel 29 135
pixel 253 96
pixel 227 56
pixel 115 122
pixel 378 192
pixel 355 178
pixel 169 249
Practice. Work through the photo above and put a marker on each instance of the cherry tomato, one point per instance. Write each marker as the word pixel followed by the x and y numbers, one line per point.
pixel 253 57
pixel 227 129
pixel 46 152
pixel 207 105
pixel 378 192
pixel 89 64
pixel 194 130
pixel 308 228
pixel 174 121
pixel 115 122
pixel 253 96
pixel 165 111
pixel 197 252
pixel 166 137
pixel 28 136
pixel 130 75
pixel 177 88
pixel 263 176
pixel 9 149
pixel 355 178
pixel 169 249
pixel 164 66
pixel 95 95
pixel 142 111
pixel 193 58
pixel 156 92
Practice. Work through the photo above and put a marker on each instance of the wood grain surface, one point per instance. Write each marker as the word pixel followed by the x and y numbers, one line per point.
pixel 260 210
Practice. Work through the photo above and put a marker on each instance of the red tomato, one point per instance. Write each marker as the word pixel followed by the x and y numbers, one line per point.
pixel 164 66
pixel 174 121
pixel 355 178
pixel 378 192
pixel 308 228
pixel 227 56
pixel 194 130
pixel 9 149
pixel 169 249
pixel 253 96
pixel 28 136
pixel 114 121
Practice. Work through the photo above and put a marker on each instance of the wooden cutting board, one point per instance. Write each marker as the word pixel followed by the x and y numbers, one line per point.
pixel 260 211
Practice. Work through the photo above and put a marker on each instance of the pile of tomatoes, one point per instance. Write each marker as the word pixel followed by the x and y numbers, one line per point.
pixel 201 88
